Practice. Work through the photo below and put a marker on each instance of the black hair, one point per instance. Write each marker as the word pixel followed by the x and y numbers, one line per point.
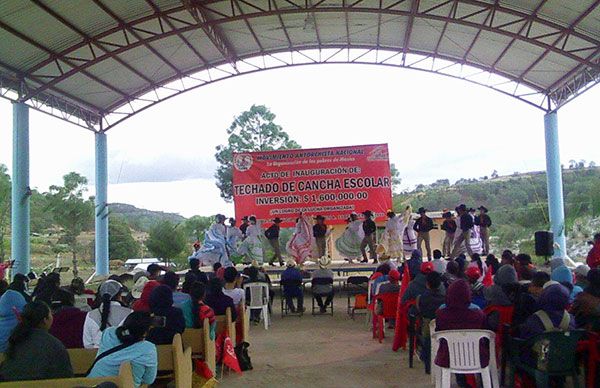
pixel 34 313
pixel 593 276
pixel 216 266
pixel 46 287
pixel 437 254
pixel 114 277
pixel 383 268
pixel 125 277
pixel 171 279
pixel 508 256
pixel 3 286
pixel 105 313
pixel 252 273
pixel 77 286
pixel 154 269
pixel 197 292
pixel 540 278
pixel 215 286
pixel 568 286
pixel 230 274
pixel 135 327
pixel 194 264
pixel 62 298
pixel 453 268
pixel 596 236
pixel 477 258
pixel 434 280
pixel 524 258
pixel 391 214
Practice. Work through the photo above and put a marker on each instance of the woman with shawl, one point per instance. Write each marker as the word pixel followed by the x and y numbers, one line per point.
pixel 409 236
pixel 215 247
pixel 301 243
pixel 251 248
pixel 348 244
pixel 391 237
pixel 234 237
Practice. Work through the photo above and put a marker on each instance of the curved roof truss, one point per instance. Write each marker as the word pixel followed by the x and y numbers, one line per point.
pixel 98 62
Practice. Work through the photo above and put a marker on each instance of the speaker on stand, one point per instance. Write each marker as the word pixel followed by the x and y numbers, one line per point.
pixel 544 244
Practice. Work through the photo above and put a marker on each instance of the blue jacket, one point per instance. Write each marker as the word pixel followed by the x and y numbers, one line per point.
pixel 292 273
pixel 142 355
pixel 10 301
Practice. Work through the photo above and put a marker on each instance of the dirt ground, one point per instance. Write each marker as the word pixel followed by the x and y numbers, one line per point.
pixel 324 351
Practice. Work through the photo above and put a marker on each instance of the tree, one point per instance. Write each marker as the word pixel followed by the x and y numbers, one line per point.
pixel 252 130
pixel 494 174
pixel 5 198
pixel 166 240
pixel 196 226
pixel 71 211
pixel 396 180
pixel 121 244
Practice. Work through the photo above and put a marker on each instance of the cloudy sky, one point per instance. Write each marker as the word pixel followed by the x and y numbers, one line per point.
pixel 436 128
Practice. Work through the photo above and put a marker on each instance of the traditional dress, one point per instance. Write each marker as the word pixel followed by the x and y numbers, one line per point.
pixel 348 244
pixel 390 240
pixel 409 238
pixel 234 238
pixel 301 243
pixel 474 241
pixel 215 247
pixel 251 247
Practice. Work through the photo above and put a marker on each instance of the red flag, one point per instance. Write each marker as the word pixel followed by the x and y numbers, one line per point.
pixel 401 329
pixel 229 357
pixel 219 345
pixel 487 278
pixel 203 370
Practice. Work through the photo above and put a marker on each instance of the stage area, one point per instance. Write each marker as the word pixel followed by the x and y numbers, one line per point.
pixel 324 351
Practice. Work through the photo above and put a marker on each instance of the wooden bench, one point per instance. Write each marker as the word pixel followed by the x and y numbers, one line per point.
pixel 123 380
pixel 198 340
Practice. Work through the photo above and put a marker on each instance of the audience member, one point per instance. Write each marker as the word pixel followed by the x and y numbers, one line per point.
pixel 143 303
pixel 130 337
pixel 109 314
pixel 171 280
pixel 320 290
pixel 536 286
pixel 232 286
pixel 426 305
pixel 161 305
pixel 195 274
pixel 564 276
pixel 524 266
pixel 194 310
pixel 580 273
pixel 552 313
pixel 3 286
pixel 68 321
pixel 19 284
pixel 473 277
pixel 393 283
pixel 507 258
pixel 154 271
pixel 414 263
pixel 34 354
pixel 439 263
pixel 217 300
pixel 587 304
pixel 452 273
pixel 11 304
pixel 418 284
pixel 492 262
pixel 216 267
pixel 82 297
pixel 294 290
pixel 505 283
pixel 593 257
pixel 46 287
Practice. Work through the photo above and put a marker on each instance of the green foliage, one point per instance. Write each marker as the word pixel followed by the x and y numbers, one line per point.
pixel 396 180
pixel 71 211
pixel 166 240
pixel 5 198
pixel 41 218
pixel 142 219
pixel 252 130
pixel 195 227
pixel 121 244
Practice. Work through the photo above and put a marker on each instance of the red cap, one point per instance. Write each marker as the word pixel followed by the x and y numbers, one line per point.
pixel 394 275
pixel 427 267
pixel 473 273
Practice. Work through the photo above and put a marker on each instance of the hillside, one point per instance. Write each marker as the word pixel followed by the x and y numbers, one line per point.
pixel 142 219
pixel 518 204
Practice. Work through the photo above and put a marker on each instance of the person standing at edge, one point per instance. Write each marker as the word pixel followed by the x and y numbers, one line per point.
pixel 466 224
pixel 449 227
pixel 320 233
pixel 422 226
pixel 244 226
pixel 369 228
pixel 272 234
pixel 484 221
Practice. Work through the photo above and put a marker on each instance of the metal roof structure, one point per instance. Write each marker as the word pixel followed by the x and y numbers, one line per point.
pixel 97 62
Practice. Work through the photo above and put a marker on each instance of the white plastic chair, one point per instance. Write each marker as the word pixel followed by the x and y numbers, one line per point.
pixel 259 299
pixel 435 370
pixel 463 352
pixel 369 318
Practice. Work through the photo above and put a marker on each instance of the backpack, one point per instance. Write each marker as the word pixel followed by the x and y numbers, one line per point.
pixel 541 348
pixel 241 352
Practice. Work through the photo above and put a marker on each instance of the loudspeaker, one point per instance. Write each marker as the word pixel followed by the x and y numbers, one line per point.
pixel 544 243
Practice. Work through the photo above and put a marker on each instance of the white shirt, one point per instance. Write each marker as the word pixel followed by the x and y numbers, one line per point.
pixel 91 327
pixel 237 294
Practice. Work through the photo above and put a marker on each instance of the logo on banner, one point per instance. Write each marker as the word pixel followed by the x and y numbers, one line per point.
pixel 378 153
pixel 242 162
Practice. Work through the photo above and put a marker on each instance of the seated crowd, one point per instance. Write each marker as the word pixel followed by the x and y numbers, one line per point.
pixel 131 314
pixel 458 295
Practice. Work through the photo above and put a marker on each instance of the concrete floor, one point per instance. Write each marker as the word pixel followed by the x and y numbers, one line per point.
pixel 324 351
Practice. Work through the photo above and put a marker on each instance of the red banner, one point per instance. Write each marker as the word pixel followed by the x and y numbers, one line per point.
pixel 332 182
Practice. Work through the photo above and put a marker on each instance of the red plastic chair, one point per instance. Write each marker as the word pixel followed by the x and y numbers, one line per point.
pixel 590 346
pixel 390 307
pixel 505 314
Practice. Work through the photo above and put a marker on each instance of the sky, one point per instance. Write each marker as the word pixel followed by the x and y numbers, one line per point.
pixel 436 127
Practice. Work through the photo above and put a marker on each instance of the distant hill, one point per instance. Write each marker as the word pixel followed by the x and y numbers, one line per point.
pixel 142 219
pixel 517 203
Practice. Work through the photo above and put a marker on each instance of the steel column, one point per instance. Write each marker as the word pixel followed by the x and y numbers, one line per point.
pixel 101 211
pixel 555 186
pixel 20 248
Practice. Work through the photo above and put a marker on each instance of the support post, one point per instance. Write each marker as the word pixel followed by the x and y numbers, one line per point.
pixel 20 248
pixel 555 186
pixel 101 208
